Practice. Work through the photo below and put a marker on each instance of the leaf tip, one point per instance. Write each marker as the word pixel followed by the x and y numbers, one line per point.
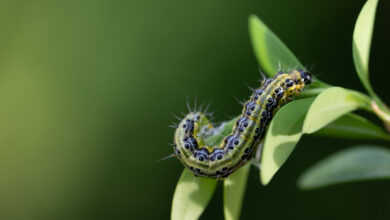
pixel 255 22
pixel 302 183
pixel 265 178
pixel 253 18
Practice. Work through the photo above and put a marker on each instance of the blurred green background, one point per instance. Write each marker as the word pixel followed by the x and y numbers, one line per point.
pixel 88 89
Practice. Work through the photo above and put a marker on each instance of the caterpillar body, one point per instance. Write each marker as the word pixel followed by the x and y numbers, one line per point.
pixel 248 132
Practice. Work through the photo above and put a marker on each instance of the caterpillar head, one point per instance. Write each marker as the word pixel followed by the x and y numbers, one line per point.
pixel 305 77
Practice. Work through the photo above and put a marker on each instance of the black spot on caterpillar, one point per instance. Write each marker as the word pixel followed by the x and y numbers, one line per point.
pixel 248 132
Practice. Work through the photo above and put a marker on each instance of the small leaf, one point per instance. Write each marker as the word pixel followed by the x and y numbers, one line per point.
pixel 191 196
pixel 328 106
pixel 269 49
pixel 283 134
pixel 362 42
pixel 234 191
pixel 356 164
pixel 354 127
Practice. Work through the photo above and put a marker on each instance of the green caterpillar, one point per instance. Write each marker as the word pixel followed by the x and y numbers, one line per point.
pixel 248 132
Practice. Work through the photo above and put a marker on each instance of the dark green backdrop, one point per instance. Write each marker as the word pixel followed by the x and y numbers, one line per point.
pixel 88 89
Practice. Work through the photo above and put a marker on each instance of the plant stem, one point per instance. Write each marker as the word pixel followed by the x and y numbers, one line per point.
pixel 382 114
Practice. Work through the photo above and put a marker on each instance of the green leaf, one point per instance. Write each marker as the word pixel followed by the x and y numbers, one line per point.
pixel 353 126
pixel 362 42
pixel 330 105
pixel 234 191
pixel 191 196
pixel 355 164
pixel 303 116
pixel 269 49
pixel 282 135
pixel 361 46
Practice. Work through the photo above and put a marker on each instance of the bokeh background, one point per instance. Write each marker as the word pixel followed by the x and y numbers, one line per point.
pixel 88 89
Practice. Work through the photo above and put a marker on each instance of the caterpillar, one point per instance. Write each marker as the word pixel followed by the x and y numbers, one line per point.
pixel 248 132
